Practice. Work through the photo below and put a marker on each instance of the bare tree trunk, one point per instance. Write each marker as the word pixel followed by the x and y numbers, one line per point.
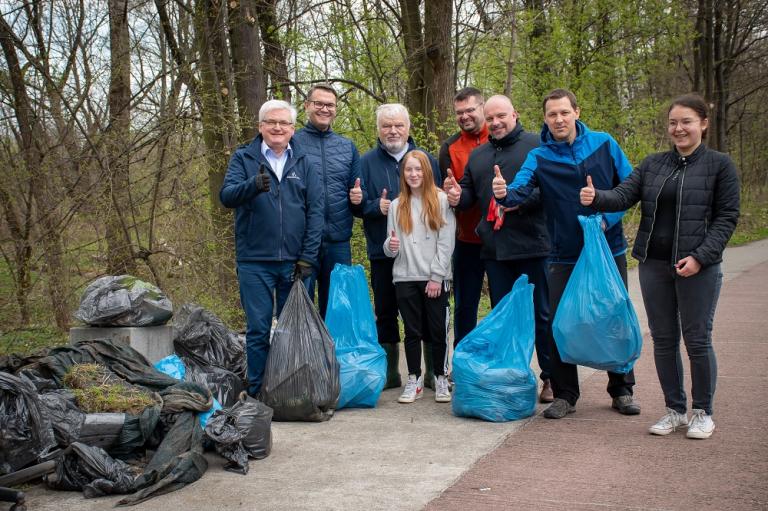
pixel 32 143
pixel 217 122
pixel 274 54
pixel 117 179
pixel 249 73
pixel 438 68
pixel 410 22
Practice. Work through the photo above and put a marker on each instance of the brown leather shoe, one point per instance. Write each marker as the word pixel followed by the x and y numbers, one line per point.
pixel 546 395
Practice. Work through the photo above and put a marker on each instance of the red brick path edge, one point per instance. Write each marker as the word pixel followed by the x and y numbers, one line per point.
pixel 596 459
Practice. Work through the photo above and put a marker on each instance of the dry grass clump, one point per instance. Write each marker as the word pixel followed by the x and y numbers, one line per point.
pixel 96 390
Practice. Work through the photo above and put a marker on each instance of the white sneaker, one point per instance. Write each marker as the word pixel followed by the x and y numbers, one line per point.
pixel 442 392
pixel 701 425
pixel 667 424
pixel 414 389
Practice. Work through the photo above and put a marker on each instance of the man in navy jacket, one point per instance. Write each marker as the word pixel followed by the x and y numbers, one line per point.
pixel 337 161
pixel 558 169
pixel 278 201
pixel 380 177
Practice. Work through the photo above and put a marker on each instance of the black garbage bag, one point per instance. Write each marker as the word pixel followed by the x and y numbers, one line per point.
pixel 201 336
pixel 123 300
pixel 92 470
pixel 25 429
pixel 66 418
pixel 177 462
pixel 240 431
pixel 225 385
pixel 301 380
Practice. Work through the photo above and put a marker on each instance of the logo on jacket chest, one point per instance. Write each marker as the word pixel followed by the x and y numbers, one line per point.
pixel 293 175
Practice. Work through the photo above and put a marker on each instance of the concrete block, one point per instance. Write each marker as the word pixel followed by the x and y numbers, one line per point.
pixel 154 342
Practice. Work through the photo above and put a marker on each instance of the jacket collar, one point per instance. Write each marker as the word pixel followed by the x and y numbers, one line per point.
pixel 687 160
pixel 548 140
pixel 254 148
pixel 508 139
pixel 473 137
pixel 383 150
pixel 312 130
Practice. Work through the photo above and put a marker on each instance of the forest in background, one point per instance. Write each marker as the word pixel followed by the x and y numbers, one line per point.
pixel 118 117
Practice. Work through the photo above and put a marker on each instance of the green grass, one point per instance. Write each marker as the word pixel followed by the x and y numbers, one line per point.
pixel 30 340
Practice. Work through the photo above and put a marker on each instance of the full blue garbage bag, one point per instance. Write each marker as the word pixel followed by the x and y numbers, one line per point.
pixel 352 326
pixel 595 324
pixel 492 372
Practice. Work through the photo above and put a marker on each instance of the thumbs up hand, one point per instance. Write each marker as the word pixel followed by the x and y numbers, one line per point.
pixel 499 184
pixel 262 180
pixel 452 189
pixel 587 194
pixel 356 193
pixel 394 243
pixel 384 203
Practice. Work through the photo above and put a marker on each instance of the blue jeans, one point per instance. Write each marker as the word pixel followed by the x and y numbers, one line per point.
pixel 502 276
pixel 259 283
pixel 468 271
pixel 686 305
pixel 331 252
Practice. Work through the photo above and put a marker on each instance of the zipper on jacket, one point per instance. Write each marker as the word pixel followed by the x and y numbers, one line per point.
pixel 325 177
pixel 679 208
pixel 653 216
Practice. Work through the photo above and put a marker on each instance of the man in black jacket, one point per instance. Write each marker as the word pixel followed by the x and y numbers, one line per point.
pixel 514 240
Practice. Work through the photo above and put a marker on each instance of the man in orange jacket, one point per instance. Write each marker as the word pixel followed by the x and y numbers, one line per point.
pixel 468 268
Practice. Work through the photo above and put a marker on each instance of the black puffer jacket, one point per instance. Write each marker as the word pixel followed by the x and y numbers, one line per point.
pixel 707 202
pixel 524 232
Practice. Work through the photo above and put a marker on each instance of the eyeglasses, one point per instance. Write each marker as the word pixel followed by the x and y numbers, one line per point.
pixel 272 123
pixel 320 105
pixel 467 111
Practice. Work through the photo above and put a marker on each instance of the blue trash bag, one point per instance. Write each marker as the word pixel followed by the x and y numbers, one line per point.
pixel 174 367
pixel 492 372
pixel 595 324
pixel 350 321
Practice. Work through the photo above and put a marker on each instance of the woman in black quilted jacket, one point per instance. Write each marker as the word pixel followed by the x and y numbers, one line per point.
pixel 690 205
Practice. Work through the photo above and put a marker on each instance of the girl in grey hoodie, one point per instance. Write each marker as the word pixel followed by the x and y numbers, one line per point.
pixel 421 228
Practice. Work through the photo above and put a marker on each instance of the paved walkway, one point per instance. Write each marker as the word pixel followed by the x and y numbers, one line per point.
pixel 398 457
pixel 596 459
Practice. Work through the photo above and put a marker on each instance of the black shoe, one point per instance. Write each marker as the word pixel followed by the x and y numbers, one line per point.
pixel 559 409
pixel 626 405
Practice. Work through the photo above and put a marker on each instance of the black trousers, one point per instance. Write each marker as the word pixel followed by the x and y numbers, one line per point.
pixel 424 319
pixel 384 301
pixel 564 376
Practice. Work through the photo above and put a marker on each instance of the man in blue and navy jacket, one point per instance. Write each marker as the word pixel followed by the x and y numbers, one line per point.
pixel 278 201
pixel 337 161
pixel 380 177
pixel 570 152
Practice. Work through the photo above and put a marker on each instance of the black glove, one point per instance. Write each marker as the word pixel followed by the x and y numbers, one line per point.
pixel 303 270
pixel 262 180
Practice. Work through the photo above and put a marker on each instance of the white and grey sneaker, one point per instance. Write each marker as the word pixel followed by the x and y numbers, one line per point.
pixel 701 425
pixel 442 392
pixel 414 389
pixel 667 424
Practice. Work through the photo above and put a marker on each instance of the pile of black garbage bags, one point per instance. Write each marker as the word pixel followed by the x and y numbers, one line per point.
pixel 198 406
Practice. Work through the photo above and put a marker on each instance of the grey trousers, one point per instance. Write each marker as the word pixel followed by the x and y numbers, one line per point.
pixel 686 305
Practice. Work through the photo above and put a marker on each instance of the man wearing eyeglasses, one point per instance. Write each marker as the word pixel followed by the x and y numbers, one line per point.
pixel 337 162
pixel 278 200
pixel 468 267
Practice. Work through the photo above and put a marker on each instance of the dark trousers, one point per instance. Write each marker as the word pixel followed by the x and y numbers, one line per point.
pixel 502 276
pixel 384 300
pixel 259 283
pixel 677 304
pixel 468 271
pixel 565 378
pixel 424 319
pixel 331 252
